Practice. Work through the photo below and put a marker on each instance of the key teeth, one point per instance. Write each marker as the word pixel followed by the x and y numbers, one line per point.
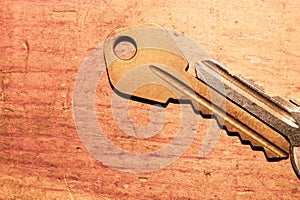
pixel 260 89
pixel 251 83
pixel 253 143
pixel 288 106
pixel 231 131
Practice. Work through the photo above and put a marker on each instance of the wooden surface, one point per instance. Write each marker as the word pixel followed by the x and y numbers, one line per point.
pixel 42 46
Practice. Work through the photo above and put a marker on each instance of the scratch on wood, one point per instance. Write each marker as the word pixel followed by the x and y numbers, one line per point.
pixel 108 5
pixel 85 15
pixel 62 11
pixel 68 188
pixel 65 104
pixel 26 46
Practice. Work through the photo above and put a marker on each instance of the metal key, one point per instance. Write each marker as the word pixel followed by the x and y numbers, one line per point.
pixel 167 60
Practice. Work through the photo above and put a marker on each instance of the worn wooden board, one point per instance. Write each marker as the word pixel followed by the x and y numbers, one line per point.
pixel 42 47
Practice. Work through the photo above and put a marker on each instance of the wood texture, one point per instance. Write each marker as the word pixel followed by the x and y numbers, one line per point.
pixel 42 46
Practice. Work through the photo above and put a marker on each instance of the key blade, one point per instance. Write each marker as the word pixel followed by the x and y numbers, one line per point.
pixel 276 113
pixel 270 149
pixel 252 99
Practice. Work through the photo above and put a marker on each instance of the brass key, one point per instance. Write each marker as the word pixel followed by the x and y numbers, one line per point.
pixel 166 60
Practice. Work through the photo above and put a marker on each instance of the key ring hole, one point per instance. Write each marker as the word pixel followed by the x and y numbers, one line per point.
pixel 125 48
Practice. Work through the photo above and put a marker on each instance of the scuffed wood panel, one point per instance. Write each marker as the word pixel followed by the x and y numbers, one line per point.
pixel 42 46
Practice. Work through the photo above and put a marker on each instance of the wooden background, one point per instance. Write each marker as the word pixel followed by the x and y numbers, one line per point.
pixel 42 46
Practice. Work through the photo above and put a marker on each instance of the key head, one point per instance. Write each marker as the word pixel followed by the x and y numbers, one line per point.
pixel 133 75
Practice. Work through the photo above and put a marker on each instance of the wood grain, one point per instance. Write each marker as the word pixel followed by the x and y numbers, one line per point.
pixel 42 46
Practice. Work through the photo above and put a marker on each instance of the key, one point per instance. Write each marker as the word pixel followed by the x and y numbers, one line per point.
pixel 163 60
